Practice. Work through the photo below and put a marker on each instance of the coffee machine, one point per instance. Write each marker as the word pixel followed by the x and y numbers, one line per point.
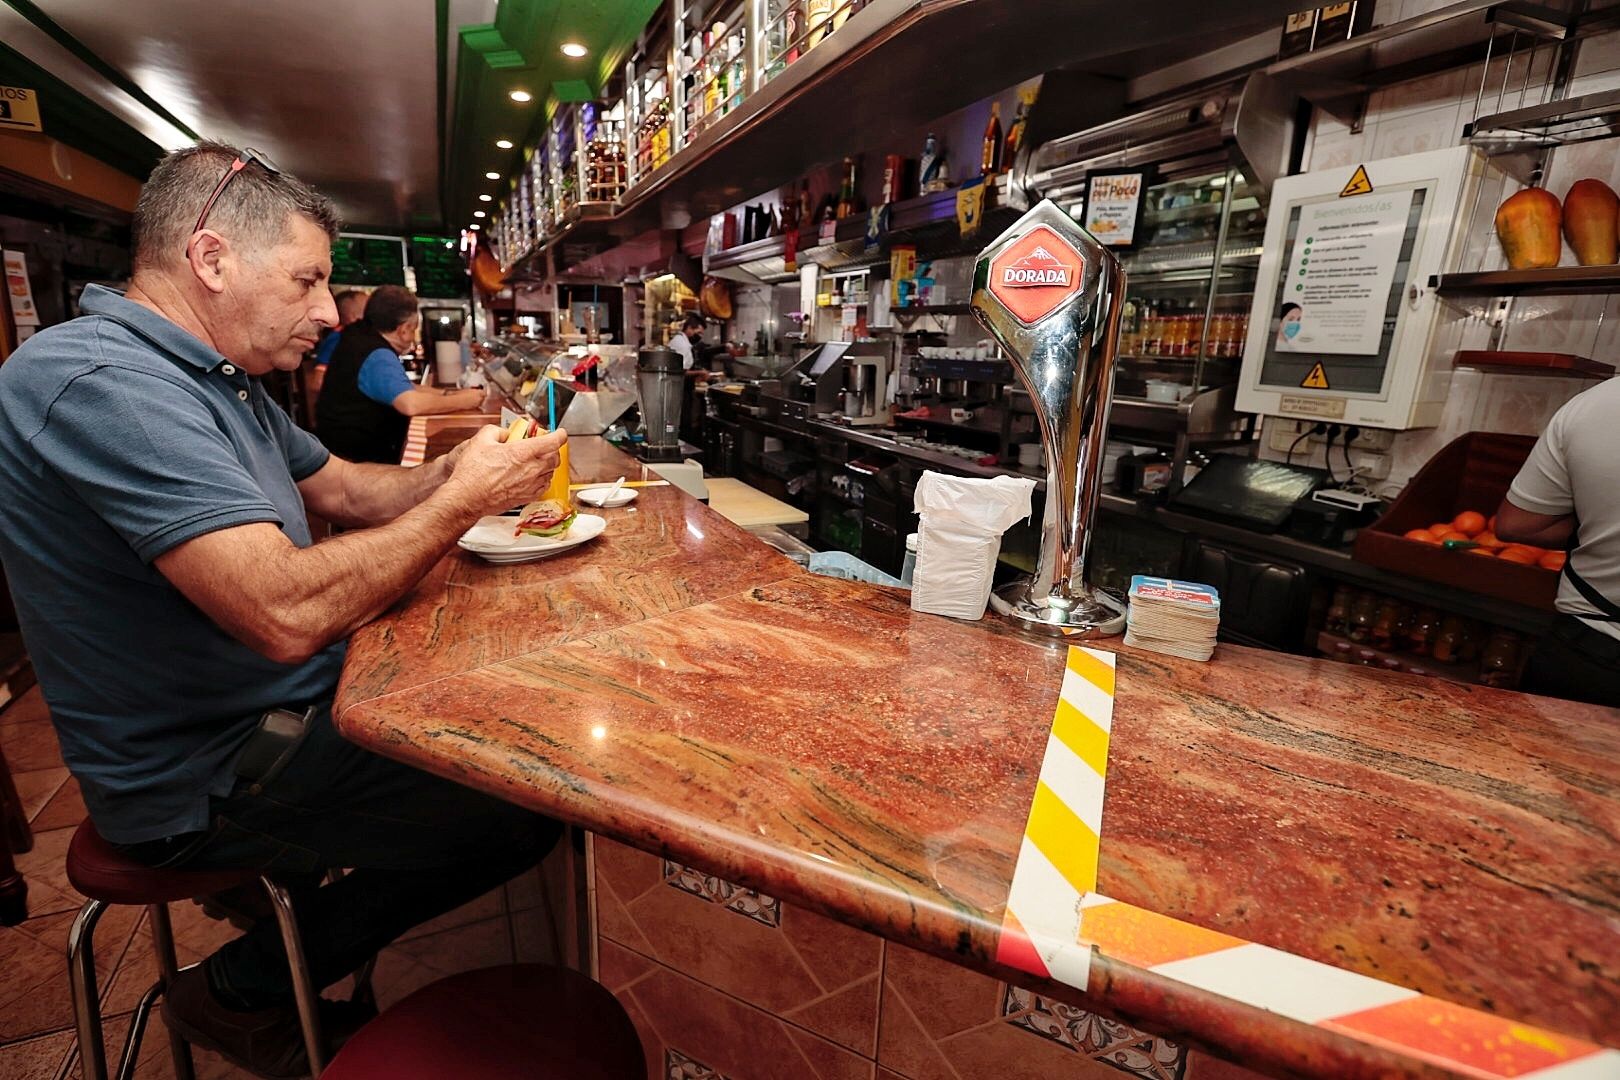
pixel 662 382
pixel 1052 295
pixel 866 390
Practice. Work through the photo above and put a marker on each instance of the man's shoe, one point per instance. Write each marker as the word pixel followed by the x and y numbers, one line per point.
pixel 266 1042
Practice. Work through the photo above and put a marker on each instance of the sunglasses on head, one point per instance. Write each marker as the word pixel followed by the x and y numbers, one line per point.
pixel 249 156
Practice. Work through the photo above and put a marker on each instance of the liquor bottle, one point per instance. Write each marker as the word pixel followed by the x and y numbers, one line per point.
pixel 1015 133
pixel 990 153
pixel 817 16
pixel 846 193
pixel 928 164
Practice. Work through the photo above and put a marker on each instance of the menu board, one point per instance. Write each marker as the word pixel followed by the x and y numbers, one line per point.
pixel 440 271
pixel 1114 206
pixel 364 259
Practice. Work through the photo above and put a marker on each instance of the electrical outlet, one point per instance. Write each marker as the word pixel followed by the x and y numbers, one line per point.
pixel 1369 466
pixel 1367 439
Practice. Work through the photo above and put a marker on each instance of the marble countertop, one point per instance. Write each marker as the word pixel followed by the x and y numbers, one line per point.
pixel 680 686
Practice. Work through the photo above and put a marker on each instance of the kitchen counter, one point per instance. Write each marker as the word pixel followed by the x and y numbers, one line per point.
pixel 681 687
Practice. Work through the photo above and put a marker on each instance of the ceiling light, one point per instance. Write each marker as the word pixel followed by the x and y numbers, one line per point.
pixel 574 49
pixel 475 226
pixel 520 96
pixel 479 213
pixel 492 176
pixel 486 198
pixel 503 144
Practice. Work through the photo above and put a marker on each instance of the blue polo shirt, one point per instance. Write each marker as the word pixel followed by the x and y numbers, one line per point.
pixel 121 437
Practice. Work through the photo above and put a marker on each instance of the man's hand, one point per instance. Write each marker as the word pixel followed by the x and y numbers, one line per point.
pixel 490 476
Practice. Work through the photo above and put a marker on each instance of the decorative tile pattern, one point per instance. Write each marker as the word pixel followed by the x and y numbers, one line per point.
pixel 1108 1041
pixel 677 1066
pixel 763 909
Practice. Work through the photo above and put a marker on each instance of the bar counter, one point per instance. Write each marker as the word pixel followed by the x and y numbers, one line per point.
pixel 679 686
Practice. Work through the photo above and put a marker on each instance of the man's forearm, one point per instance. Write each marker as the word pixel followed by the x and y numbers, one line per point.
pixel 376 494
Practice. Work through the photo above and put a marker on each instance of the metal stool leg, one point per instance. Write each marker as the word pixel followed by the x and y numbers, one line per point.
pixel 168 968
pixel 304 990
pixel 82 978
pixel 137 1027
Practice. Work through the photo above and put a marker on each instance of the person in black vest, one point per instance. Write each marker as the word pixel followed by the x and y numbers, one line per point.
pixel 367 400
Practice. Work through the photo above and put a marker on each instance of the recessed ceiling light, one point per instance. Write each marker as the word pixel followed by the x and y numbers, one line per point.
pixel 492 176
pixel 479 213
pixel 486 198
pixel 503 144
pixel 574 49
pixel 475 226
pixel 521 96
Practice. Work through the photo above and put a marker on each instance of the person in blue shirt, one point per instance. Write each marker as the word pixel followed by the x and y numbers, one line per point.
pixel 188 635
pixel 367 399
pixel 351 306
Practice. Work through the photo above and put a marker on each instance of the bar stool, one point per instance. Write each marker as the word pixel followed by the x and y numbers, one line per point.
pixel 528 1020
pixel 107 877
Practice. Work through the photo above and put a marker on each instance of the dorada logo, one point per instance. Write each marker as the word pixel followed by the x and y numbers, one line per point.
pixel 1040 267
pixel 1036 274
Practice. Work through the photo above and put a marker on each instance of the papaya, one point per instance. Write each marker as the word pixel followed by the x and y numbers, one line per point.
pixel 1591 216
pixel 1527 225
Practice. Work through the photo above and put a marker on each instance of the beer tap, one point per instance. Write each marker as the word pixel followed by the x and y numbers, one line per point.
pixel 1052 296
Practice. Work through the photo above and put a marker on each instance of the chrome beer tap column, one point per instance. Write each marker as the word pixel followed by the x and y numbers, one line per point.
pixel 1052 295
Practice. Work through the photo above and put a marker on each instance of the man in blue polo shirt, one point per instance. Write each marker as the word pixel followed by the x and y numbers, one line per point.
pixel 187 635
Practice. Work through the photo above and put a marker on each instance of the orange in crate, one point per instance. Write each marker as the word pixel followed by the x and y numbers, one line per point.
pixel 1553 560
pixel 1469 522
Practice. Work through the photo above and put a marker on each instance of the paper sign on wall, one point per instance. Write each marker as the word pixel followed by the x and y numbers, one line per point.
pixel 23 311
pixel 1114 206
pixel 1337 290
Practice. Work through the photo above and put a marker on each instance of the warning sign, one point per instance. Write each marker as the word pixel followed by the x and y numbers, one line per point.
pixel 19 108
pixel 1317 379
pixel 1360 184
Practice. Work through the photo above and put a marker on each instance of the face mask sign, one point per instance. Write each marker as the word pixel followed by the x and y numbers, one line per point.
pixel 1290 330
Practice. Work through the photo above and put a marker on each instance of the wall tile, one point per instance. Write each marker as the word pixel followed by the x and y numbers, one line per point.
pixel 730 1037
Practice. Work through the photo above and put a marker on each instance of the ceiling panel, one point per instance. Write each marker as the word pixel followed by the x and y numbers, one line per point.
pixel 342 93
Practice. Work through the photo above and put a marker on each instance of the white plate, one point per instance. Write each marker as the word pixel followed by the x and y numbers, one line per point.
pixel 594 496
pixel 492 539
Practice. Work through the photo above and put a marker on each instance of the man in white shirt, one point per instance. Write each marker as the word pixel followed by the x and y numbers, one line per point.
pixel 688 340
pixel 1567 490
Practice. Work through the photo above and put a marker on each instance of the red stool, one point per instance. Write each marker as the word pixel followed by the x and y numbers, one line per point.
pixel 528 1020
pixel 106 876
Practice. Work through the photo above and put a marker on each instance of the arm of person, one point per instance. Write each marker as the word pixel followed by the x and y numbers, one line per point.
pixel 288 603
pixel 382 378
pixel 355 495
pixel 431 401
pixel 358 495
pixel 146 456
pixel 1539 507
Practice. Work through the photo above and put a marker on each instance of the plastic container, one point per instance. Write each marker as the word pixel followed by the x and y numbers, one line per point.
pixel 909 567
pixel 1471 472
pixel 841 564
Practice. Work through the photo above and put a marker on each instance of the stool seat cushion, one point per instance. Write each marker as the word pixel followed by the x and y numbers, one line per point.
pixel 102 872
pixel 518 1020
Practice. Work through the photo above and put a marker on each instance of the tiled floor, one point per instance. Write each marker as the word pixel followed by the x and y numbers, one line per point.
pixel 36 1018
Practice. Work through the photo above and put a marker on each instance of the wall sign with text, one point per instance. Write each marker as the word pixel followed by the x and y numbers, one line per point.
pixel 1114 206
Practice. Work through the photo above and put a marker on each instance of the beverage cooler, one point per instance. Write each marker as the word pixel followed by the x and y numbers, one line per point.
pixel 1179 191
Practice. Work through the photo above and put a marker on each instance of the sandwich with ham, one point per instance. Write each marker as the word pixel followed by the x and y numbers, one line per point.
pixel 546 517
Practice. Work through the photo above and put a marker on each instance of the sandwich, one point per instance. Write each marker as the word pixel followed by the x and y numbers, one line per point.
pixel 546 517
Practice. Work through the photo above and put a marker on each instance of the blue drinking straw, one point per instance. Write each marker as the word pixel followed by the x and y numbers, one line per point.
pixel 551 400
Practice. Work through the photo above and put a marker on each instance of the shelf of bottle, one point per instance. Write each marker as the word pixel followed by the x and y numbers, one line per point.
pixel 1327 642
pixel 1179 358
pixel 1553 281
